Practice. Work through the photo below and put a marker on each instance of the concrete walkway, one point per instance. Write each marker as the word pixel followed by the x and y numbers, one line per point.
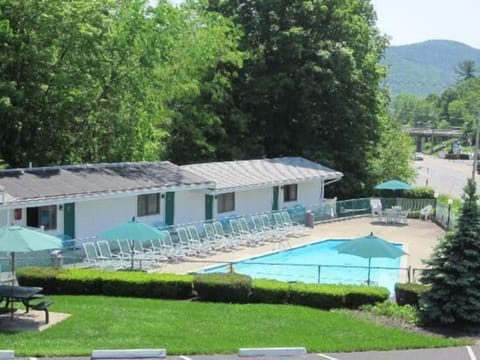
pixel 418 238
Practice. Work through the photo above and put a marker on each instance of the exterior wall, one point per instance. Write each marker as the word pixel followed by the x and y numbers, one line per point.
pixel 92 217
pixel 189 207
pixel 7 217
pixel 308 193
pixel 4 217
pixel 249 202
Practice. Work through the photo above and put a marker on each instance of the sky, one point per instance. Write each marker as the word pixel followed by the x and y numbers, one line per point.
pixel 413 21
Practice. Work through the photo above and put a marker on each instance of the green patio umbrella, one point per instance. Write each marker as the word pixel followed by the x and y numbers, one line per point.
pixel 15 239
pixel 393 185
pixel 369 247
pixel 132 230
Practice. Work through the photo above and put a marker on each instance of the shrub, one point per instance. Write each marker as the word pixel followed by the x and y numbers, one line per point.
pixel 421 192
pixel 46 277
pixel 409 294
pixel 317 296
pixel 229 287
pixel 357 296
pixel 99 282
pixel 407 313
pixel 270 291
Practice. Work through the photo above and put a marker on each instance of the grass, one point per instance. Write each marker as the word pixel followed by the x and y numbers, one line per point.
pixel 184 327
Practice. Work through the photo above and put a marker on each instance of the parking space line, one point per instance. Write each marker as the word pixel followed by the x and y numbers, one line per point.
pixel 184 357
pixel 471 353
pixel 329 357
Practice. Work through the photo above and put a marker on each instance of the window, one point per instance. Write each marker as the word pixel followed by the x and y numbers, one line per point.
pixel 226 202
pixel 148 204
pixel 45 216
pixel 290 192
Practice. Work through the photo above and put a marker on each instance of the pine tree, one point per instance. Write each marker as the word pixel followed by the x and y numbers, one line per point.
pixel 454 270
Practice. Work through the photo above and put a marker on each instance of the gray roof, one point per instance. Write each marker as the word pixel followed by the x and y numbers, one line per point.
pixel 33 184
pixel 245 174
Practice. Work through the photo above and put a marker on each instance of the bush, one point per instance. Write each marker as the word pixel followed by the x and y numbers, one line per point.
pixel 406 313
pixel 317 296
pixel 46 277
pixel 221 287
pixel 336 296
pixel 357 296
pixel 99 282
pixel 270 291
pixel 409 294
pixel 421 192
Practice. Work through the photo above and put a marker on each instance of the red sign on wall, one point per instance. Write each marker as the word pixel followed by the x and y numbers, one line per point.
pixel 18 214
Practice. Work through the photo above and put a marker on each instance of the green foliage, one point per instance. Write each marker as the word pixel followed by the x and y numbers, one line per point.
pixel 229 287
pixel 312 73
pixel 409 294
pixel 454 270
pixel 420 192
pixel 46 277
pixel 98 282
pixel 104 81
pixel 335 296
pixel 391 159
pixel 270 291
pixel 406 313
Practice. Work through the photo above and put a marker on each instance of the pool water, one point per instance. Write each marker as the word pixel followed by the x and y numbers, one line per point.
pixel 319 263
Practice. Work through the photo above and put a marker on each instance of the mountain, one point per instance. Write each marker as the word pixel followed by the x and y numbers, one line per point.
pixel 427 67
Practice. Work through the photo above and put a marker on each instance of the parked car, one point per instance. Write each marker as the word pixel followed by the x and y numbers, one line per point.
pixel 418 156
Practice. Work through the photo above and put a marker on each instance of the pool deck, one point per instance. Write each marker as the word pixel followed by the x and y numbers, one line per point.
pixel 418 238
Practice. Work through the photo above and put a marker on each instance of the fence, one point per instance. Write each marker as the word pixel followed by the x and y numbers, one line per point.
pixel 311 273
pixel 328 209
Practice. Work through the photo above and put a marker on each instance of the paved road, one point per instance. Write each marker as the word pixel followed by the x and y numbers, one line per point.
pixel 457 353
pixel 445 176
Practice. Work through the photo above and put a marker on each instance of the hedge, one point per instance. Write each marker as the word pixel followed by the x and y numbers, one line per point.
pixel 210 287
pixel 99 282
pixel 408 293
pixel 223 287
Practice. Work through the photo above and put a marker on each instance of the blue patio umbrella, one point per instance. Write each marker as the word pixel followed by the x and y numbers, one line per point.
pixel 132 230
pixel 393 185
pixel 369 247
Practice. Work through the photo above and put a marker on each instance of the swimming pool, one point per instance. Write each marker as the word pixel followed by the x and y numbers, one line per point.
pixel 318 263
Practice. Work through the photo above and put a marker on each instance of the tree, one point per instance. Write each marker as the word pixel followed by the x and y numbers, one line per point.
pixel 454 270
pixel 466 70
pixel 311 84
pixel 391 158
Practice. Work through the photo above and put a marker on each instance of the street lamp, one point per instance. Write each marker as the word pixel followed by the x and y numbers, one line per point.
pixel 450 201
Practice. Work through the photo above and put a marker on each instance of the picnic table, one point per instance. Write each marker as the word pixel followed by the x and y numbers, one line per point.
pixel 10 294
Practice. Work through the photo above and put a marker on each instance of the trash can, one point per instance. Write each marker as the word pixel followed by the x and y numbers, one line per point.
pixel 57 258
pixel 309 219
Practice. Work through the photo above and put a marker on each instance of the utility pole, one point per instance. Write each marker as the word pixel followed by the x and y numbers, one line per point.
pixel 475 154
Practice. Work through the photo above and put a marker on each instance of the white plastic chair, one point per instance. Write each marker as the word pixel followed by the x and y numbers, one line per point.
pixel 426 212
pixel 376 206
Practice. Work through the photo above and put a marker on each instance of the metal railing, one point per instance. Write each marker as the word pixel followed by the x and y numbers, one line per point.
pixel 309 273
pixel 327 210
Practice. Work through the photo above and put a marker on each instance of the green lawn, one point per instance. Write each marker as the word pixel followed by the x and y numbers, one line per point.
pixel 184 327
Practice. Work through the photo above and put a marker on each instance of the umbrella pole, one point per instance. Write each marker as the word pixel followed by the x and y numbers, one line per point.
pixel 12 266
pixel 368 279
pixel 133 252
